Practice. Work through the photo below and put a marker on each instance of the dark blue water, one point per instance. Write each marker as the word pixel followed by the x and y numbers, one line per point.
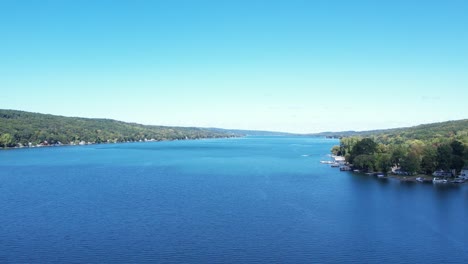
pixel 247 200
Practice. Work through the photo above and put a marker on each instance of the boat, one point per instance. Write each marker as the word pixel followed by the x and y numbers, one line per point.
pixel 420 179
pixel 326 162
pixel 345 168
pixel 356 170
pixel 380 175
pixel 335 165
pixel 437 180
pixel 458 180
pixel 339 158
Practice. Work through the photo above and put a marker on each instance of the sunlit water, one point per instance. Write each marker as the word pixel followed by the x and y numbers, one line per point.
pixel 253 199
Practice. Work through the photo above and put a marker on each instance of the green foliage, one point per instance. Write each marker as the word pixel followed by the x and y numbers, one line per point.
pixel 18 127
pixel 336 150
pixel 435 133
pixel 398 154
pixel 364 162
pixel 347 144
pixel 457 148
pixel 424 148
pixel 429 160
pixel 6 140
pixel 457 163
pixel 444 157
pixel 465 155
pixel 366 146
pixel 383 162
pixel 411 163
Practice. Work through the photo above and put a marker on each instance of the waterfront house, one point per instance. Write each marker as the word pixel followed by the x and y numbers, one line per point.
pixel 400 172
pixel 464 173
pixel 341 161
pixel 441 173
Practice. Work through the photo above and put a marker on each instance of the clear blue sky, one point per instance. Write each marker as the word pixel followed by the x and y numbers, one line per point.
pixel 298 66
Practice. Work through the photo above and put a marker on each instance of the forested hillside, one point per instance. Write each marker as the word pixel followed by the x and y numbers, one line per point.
pixel 419 149
pixel 450 129
pixel 22 128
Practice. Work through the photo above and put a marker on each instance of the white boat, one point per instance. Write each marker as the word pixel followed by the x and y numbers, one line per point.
pixel 380 175
pixel 345 168
pixel 339 158
pixel 420 179
pixel 438 180
pixel 326 162
pixel 458 180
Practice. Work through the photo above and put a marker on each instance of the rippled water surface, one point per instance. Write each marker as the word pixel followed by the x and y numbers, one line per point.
pixel 253 199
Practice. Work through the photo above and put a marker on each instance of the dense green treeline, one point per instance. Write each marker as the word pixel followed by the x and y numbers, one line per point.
pixel 434 131
pixel 22 128
pixel 421 149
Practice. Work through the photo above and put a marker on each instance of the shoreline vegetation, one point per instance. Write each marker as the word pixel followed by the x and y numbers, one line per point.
pixel 436 177
pixel 82 143
pixel 410 154
pixel 20 129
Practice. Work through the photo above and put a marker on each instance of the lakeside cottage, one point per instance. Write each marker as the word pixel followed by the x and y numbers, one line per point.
pixel 464 173
pixel 441 173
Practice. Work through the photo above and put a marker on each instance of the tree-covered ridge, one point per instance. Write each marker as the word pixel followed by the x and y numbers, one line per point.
pixel 22 128
pixel 436 131
pixel 420 149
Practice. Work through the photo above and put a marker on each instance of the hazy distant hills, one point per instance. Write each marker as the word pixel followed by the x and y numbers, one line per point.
pixel 19 128
pixel 252 132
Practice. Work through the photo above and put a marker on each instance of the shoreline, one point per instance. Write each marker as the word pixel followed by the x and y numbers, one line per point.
pixel 110 143
pixel 339 160
pixel 411 179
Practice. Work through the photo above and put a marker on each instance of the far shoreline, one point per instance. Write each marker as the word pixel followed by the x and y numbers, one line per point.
pixel 111 143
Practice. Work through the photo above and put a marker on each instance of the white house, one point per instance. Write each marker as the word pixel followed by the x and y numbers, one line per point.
pixel 441 173
pixel 464 173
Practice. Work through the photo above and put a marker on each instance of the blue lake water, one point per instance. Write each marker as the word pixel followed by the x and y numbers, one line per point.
pixel 243 200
